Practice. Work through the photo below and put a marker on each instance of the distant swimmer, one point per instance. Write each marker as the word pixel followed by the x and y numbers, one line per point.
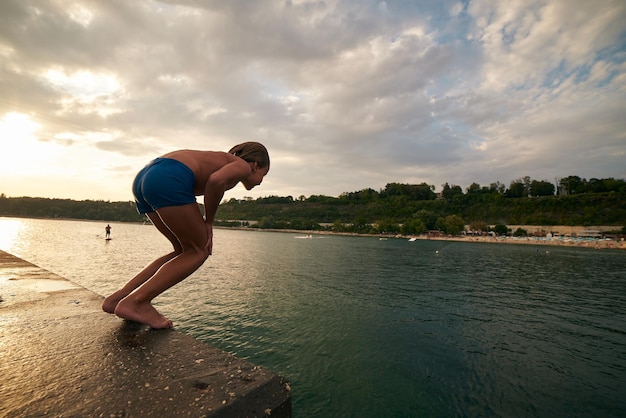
pixel 165 191
pixel 107 229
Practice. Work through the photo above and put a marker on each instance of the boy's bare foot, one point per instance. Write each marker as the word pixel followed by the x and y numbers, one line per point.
pixel 111 302
pixel 142 312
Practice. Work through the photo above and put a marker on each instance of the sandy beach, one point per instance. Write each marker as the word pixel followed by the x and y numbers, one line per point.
pixel 562 241
pixel 596 243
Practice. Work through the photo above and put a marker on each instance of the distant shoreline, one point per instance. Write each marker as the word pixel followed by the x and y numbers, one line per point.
pixel 553 242
pixel 557 242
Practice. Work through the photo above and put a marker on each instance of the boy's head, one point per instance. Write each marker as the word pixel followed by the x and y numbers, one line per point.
pixel 252 152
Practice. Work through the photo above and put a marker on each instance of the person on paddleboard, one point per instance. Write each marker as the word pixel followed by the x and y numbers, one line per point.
pixel 165 191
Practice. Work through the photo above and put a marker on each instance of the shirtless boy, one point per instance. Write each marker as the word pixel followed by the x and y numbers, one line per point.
pixel 165 190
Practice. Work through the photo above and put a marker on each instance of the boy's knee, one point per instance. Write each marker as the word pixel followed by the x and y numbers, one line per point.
pixel 199 251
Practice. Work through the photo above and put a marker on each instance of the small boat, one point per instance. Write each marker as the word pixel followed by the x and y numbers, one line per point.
pixel 305 236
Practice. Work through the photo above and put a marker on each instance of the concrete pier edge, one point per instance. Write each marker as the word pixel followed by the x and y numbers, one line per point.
pixel 61 356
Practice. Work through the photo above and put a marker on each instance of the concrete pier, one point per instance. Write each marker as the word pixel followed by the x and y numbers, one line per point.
pixel 61 356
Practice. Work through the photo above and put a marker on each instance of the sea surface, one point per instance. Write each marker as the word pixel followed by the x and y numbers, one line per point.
pixel 382 328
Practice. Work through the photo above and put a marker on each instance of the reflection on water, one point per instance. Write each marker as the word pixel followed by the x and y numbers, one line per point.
pixel 369 328
pixel 10 232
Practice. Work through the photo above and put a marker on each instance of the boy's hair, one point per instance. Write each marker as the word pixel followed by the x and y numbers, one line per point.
pixel 252 152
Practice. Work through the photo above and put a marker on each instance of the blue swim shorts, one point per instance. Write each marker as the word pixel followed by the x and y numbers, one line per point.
pixel 163 182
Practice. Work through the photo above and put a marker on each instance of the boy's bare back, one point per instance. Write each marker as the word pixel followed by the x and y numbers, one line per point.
pixel 203 164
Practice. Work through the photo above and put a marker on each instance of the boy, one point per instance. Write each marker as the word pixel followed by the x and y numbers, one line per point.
pixel 165 190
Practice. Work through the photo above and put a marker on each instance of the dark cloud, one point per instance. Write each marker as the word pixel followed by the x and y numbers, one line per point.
pixel 347 95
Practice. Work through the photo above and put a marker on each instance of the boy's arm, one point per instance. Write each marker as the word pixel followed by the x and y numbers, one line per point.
pixel 223 179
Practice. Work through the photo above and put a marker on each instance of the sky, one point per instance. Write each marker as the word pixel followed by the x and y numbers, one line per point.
pixel 346 95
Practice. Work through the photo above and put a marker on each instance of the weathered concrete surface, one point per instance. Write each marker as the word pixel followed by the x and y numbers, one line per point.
pixel 61 356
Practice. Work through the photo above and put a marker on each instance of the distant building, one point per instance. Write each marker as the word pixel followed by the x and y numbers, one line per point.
pixel 434 233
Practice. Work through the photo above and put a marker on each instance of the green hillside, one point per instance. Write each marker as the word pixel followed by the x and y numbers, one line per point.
pixel 398 208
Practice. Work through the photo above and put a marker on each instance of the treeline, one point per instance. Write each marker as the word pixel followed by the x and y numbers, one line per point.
pixel 398 208
pixel 96 210
pixel 415 209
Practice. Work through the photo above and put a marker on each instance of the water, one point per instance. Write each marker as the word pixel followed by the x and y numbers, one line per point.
pixel 370 328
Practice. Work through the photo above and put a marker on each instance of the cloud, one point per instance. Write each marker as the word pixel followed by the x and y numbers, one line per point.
pixel 346 95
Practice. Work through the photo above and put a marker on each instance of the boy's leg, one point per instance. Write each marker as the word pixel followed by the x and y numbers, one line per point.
pixel 187 225
pixel 111 302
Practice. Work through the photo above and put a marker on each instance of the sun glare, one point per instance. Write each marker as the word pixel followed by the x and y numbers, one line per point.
pixel 22 152
pixel 9 231
pixel 17 125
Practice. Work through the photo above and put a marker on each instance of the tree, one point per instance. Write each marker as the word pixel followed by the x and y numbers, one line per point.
pixel 303 224
pixel 500 229
pixel 527 181
pixel 497 187
pixel 473 188
pixel 572 185
pixel 387 226
pixel 519 232
pixel 362 196
pixel 449 192
pixel 452 224
pixel 516 189
pixel 479 226
pixel 413 226
pixel 541 188
pixel 338 226
pixel 605 185
pixel 427 217
pixel 421 191
pixel 275 199
pixel 361 225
